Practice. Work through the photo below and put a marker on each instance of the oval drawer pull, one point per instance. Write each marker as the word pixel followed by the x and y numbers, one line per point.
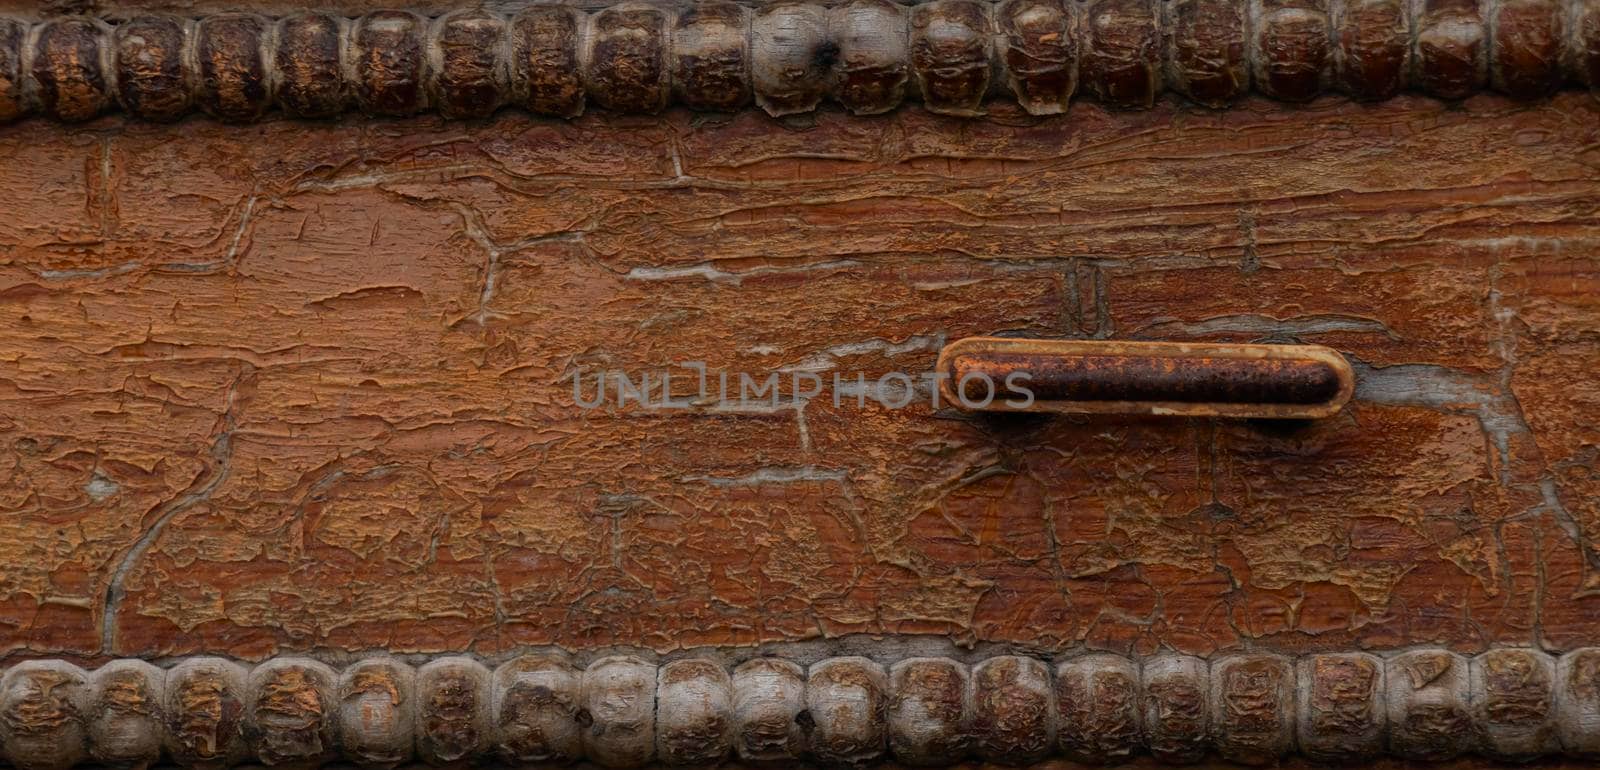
pixel 1156 378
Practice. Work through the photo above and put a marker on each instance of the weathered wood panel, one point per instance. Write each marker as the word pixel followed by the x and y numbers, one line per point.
pixel 304 385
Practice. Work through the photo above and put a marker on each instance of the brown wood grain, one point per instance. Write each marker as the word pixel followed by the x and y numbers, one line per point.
pixel 306 386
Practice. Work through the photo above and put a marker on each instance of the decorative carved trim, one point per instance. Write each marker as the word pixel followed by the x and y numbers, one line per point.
pixel 787 57
pixel 621 711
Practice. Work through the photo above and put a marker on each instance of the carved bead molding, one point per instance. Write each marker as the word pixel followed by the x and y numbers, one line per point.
pixel 621 711
pixel 786 57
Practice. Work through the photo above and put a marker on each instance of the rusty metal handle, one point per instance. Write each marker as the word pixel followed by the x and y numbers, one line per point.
pixel 1156 378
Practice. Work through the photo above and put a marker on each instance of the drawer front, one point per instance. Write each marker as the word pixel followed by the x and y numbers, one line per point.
pixel 261 378
pixel 653 399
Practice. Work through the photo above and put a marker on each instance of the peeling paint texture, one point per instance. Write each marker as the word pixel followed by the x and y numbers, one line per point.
pixel 307 386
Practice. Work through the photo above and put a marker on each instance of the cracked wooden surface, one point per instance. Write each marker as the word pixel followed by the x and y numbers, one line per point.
pixel 297 387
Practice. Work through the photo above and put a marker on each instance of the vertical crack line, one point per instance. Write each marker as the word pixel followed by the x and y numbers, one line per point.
pixel 1072 323
pixel 1206 440
pixel 1574 529
pixel 104 195
pixel 678 176
pixel 1102 305
pixel 221 455
pixel 1538 586
pixel 800 424
pixel 228 260
pixel 500 617
pixel 1058 571
pixel 479 234
pixel 1250 260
